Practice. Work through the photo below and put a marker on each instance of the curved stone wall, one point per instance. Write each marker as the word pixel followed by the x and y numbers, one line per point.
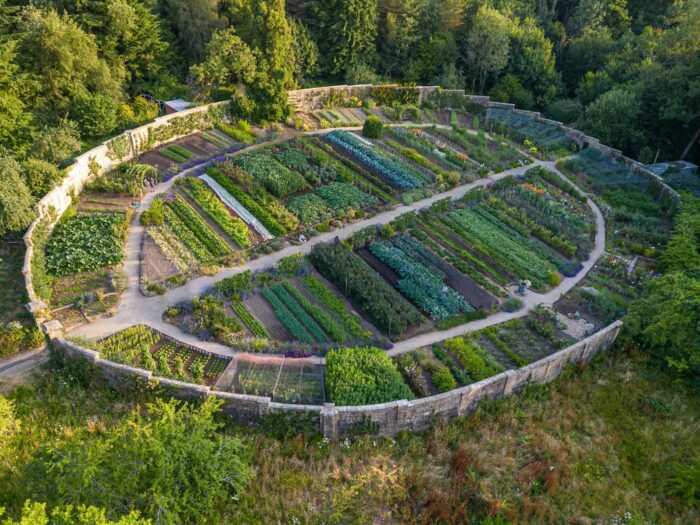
pixel 385 419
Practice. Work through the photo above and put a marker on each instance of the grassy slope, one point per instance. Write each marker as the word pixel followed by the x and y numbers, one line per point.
pixel 592 446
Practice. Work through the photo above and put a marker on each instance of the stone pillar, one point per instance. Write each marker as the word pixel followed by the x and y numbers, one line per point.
pixel 329 421
pixel 512 377
pixel 53 329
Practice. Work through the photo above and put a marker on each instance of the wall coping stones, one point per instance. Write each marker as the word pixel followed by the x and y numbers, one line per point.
pixel 391 417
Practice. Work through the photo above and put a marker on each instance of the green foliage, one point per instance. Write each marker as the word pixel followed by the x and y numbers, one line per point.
pixel 389 311
pixel 35 513
pixel 290 265
pixel 256 208
pixel 146 463
pixel 238 284
pixel 57 145
pixel 277 179
pixel 41 176
pixel 127 179
pixel 363 376
pixel 84 243
pixel 15 200
pixel 96 115
pixel 155 214
pixel 373 127
pixel 329 300
pixel 234 227
pixel 471 356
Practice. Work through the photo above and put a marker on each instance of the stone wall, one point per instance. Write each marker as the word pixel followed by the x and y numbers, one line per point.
pixel 98 160
pixel 386 418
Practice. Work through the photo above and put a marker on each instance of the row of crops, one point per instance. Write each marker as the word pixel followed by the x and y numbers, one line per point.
pixel 311 313
pixel 141 347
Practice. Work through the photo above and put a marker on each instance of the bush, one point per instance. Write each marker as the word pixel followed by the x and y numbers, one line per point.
pixel 155 215
pixel 41 176
pixel 443 379
pixel 373 127
pixel 512 305
pixel 96 115
pixel 363 376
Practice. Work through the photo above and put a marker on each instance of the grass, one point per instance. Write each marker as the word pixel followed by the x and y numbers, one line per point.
pixel 14 295
pixel 590 447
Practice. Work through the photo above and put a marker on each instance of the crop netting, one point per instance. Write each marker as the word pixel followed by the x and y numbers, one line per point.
pixel 520 127
pixel 601 173
pixel 683 182
pixel 284 380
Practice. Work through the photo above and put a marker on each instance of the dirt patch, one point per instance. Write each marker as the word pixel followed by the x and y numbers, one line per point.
pixel 262 311
pixel 155 267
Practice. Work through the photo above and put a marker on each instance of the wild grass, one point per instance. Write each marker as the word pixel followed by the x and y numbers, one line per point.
pixel 600 445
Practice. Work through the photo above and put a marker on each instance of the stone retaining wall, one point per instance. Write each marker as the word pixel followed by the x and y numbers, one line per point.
pixel 387 418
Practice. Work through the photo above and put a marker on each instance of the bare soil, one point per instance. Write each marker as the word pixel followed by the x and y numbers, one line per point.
pixel 155 267
pixel 262 311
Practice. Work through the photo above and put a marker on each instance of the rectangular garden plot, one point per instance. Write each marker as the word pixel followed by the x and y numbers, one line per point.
pixel 284 380
pixel 142 347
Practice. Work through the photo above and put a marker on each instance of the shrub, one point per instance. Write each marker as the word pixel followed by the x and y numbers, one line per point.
pixel 443 379
pixel 465 350
pixel 96 115
pixel 553 278
pixel 373 127
pixel 512 305
pixel 363 376
pixel 155 215
pixel 86 242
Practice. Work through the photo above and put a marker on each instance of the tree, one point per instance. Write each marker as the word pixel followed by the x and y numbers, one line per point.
pixel 228 61
pixel 171 464
pixel 15 121
pixel 433 55
pixel 40 176
pixel 194 22
pixel 57 145
pixel 532 61
pixel 346 31
pixel 305 51
pixel 15 200
pixel 593 85
pixel 509 89
pixel 486 46
pixel 398 37
pixel 588 53
pixel 665 323
pixel 64 61
pixel 96 114
pixel 136 41
pixel 612 119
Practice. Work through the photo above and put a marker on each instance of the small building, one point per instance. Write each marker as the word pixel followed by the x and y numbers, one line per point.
pixel 175 105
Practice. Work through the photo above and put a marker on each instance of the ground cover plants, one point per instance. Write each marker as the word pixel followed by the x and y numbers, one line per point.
pixel 638 218
pixel 363 376
pixel 128 179
pixel 550 139
pixel 86 242
pixel 487 152
pixel 279 180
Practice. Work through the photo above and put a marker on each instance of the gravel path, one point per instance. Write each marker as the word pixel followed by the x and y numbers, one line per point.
pixel 135 308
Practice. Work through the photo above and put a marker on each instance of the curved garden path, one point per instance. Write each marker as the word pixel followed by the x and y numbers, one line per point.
pixel 135 308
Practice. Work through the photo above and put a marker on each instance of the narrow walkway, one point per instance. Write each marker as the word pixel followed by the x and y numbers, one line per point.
pixel 134 308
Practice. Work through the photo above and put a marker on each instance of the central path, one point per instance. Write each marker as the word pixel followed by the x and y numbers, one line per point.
pixel 135 308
